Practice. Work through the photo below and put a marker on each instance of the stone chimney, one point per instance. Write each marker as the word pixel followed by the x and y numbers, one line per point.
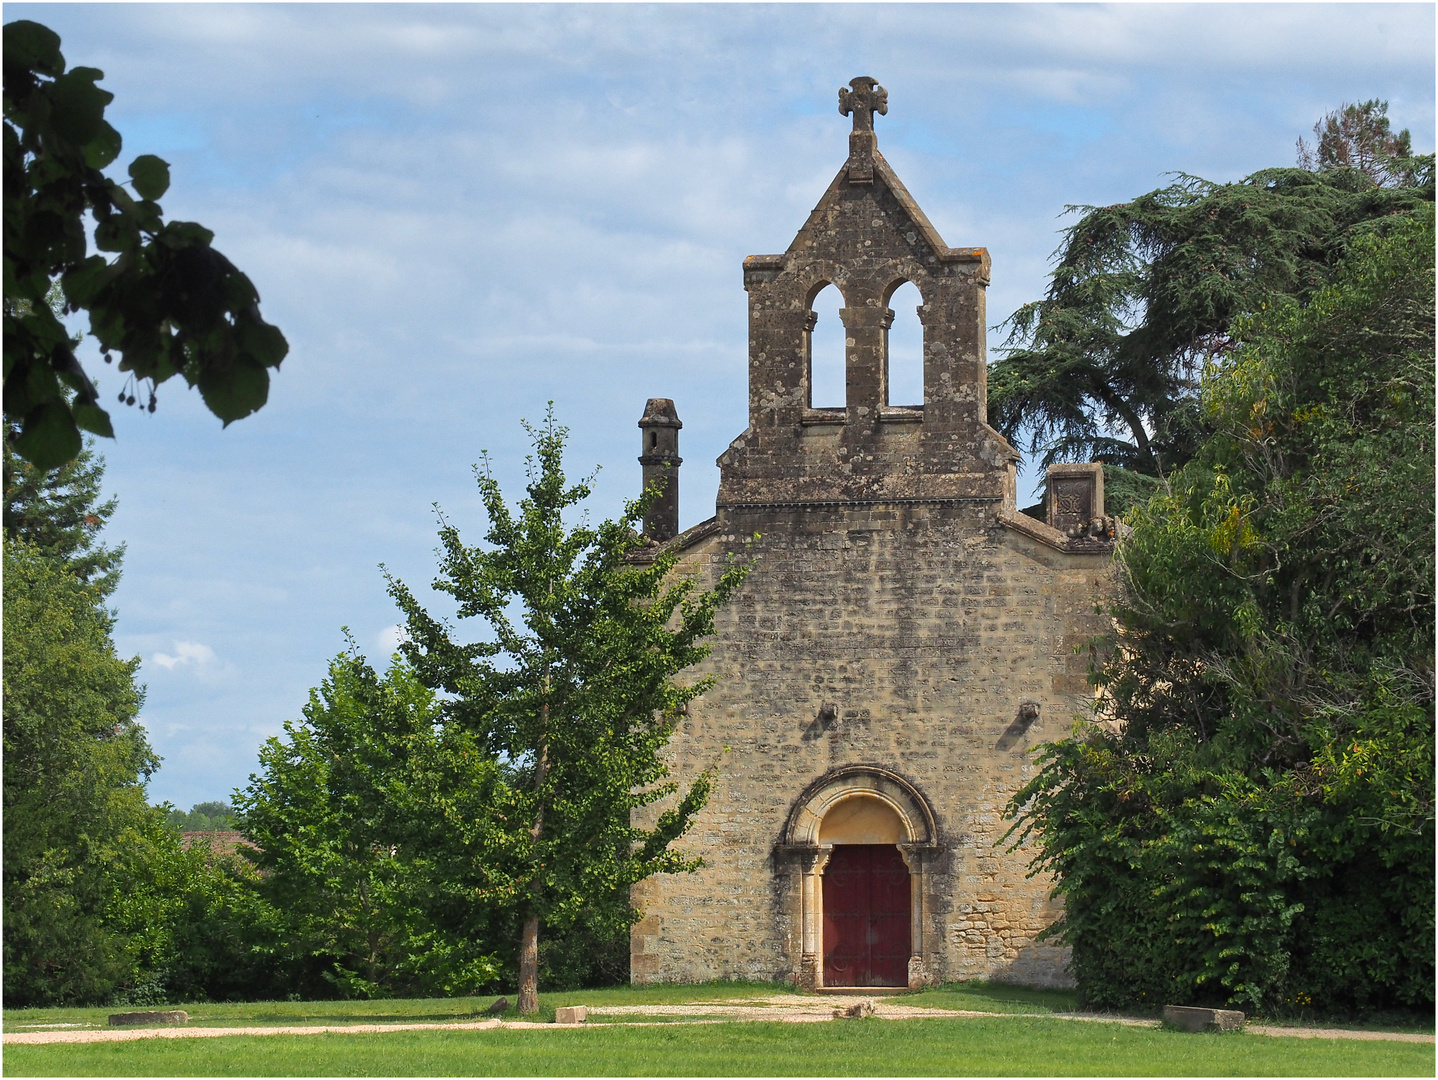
pixel 1075 496
pixel 660 460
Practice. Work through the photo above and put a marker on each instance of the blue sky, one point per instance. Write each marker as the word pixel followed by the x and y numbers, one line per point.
pixel 457 213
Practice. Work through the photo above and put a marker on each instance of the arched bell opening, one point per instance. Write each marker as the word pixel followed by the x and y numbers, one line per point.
pixel 860 839
pixel 825 350
pixel 904 347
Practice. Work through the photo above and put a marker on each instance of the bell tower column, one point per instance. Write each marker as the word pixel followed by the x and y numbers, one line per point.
pixel 659 428
pixel 866 334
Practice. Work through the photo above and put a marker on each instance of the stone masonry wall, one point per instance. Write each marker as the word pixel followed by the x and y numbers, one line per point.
pixel 927 627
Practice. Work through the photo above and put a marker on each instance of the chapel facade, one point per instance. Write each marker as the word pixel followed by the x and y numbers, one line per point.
pixel 904 637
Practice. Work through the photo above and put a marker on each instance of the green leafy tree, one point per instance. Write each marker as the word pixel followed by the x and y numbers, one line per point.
pixel 102 902
pixel 193 921
pixel 1360 137
pixel 167 302
pixel 59 511
pixel 203 817
pixel 363 815
pixel 1107 366
pixel 75 766
pixel 572 687
pixel 1255 824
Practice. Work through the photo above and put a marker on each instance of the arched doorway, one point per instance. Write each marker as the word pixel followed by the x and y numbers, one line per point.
pixel 861 839
pixel 867 895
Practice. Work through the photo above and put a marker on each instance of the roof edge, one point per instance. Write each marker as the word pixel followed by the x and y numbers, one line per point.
pixel 1046 534
pixel 973 256
pixel 977 255
pixel 686 539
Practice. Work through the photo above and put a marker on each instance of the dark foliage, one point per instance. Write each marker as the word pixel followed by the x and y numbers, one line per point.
pixel 59 512
pixel 1254 824
pixel 167 302
pixel 580 956
pixel 1107 366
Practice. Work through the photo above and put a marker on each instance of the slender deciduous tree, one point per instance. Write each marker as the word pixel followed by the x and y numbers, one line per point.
pixel 571 683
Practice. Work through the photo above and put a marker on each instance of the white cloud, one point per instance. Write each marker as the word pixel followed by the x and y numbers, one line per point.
pixel 390 638
pixel 186 652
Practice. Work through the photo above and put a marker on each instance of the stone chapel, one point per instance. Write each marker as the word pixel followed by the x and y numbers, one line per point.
pixel 904 637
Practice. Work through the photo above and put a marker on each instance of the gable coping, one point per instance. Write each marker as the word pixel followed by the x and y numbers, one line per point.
pixel 1045 533
pixel 979 257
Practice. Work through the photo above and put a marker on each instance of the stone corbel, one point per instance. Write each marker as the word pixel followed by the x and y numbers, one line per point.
pixel 821 858
pixel 811 858
pixel 913 855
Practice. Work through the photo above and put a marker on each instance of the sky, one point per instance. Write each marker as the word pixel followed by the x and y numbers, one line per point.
pixel 459 213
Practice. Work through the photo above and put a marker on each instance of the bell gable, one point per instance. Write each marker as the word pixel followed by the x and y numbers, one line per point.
pixel 867 236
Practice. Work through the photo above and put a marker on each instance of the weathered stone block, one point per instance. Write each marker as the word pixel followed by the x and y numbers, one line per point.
pixel 571 1014
pixel 1188 1018
pixel 135 1019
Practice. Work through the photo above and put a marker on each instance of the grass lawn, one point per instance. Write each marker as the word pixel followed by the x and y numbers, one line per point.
pixel 391 1010
pixel 971 996
pixel 1015 1047
pixel 993 997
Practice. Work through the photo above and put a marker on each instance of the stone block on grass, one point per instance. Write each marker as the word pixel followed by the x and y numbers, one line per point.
pixel 571 1014
pixel 134 1019
pixel 1188 1018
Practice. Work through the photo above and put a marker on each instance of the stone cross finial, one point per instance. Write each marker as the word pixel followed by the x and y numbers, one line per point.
pixel 865 99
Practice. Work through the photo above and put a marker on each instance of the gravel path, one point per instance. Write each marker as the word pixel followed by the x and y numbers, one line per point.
pixel 786 1008
pixel 180 1032
pixel 1337 1033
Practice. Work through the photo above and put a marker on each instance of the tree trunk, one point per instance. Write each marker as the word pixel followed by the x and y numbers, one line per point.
pixel 1135 427
pixel 529 936
pixel 529 966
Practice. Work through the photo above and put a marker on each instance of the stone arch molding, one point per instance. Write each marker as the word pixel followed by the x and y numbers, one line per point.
pixel 807 858
pixel 802 828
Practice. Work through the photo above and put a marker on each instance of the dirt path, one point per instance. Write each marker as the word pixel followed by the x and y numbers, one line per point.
pixel 1337 1033
pixel 785 1008
pixel 129 1034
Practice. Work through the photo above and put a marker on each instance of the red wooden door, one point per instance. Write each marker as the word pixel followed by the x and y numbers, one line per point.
pixel 866 916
